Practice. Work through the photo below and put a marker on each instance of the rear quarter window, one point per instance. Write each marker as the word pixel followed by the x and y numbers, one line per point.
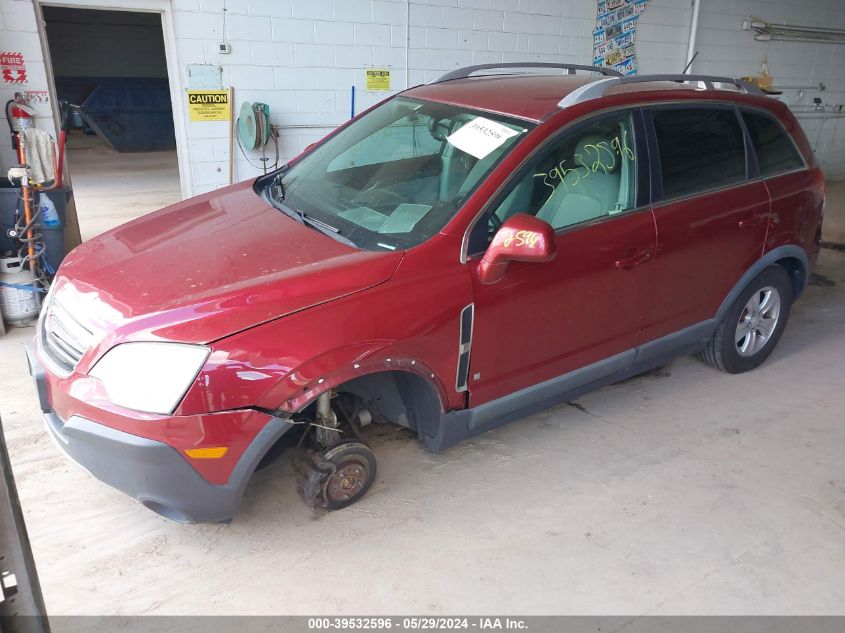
pixel 776 153
pixel 700 149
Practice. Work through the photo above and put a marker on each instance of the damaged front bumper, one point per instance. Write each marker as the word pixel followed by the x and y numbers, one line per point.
pixel 151 471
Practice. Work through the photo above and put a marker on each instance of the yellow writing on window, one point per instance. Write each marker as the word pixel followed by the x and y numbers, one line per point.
pixel 602 156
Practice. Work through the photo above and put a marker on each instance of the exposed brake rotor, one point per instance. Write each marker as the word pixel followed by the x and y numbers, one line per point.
pixel 337 477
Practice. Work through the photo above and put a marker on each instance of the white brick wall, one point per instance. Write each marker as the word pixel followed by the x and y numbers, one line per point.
pixel 790 63
pixel 302 56
pixel 19 33
pixel 724 49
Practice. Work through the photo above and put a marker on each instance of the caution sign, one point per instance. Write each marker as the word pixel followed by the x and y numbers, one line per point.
pixel 209 105
pixel 377 79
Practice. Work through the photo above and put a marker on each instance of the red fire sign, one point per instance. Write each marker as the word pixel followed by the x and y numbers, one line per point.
pixel 12 68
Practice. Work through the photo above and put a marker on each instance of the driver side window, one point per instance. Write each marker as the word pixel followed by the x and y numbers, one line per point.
pixel 588 173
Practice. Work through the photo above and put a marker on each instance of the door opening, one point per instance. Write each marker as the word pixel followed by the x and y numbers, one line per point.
pixel 111 81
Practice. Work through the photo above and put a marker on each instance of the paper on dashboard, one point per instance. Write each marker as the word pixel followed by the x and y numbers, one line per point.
pixel 481 136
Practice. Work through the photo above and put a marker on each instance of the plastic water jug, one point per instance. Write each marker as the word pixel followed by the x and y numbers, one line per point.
pixel 20 297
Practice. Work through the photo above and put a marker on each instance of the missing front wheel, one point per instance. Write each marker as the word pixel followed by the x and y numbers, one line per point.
pixel 336 478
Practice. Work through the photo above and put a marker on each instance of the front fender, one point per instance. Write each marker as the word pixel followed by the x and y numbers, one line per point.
pixel 273 380
pixel 302 386
pixel 410 323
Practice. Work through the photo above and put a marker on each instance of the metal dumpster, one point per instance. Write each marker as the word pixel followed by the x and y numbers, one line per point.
pixel 131 115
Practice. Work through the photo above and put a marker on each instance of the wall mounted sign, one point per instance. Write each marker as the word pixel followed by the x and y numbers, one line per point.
pixel 376 79
pixel 209 105
pixel 203 77
pixel 613 39
pixel 36 96
pixel 12 68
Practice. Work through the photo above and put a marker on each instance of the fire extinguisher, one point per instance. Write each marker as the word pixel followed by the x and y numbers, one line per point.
pixel 19 116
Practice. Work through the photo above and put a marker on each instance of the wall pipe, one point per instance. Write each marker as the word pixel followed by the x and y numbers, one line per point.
pixel 407 43
pixel 693 34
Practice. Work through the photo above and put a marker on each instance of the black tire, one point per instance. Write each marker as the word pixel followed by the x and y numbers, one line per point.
pixel 722 350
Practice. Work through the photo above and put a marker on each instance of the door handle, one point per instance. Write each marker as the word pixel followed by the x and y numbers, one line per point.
pixel 638 258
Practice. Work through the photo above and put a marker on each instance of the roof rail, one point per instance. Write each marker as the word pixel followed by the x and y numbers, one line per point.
pixel 598 88
pixel 466 71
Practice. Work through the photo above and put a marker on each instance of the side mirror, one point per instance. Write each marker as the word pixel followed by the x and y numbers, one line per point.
pixel 522 238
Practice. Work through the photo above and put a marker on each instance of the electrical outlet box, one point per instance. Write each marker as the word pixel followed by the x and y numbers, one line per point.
pixel 224 48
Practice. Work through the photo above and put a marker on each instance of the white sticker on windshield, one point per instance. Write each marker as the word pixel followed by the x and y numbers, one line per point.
pixel 480 136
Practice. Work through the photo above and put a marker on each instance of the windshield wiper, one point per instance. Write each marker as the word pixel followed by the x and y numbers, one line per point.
pixel 323 227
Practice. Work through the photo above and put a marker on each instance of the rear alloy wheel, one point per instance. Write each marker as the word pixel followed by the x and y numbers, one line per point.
pixel 753 325
pixel 758 321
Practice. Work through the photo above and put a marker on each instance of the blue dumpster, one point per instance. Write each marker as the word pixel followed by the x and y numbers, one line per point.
pixel 131 115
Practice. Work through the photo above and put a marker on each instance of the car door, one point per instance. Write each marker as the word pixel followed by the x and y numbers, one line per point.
pixel 794 189
pixel 544 320
pixel 711 219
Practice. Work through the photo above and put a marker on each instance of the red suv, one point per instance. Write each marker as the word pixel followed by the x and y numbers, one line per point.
pixel 458 256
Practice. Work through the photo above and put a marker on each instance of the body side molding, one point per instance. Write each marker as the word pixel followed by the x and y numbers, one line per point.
pixel 455 426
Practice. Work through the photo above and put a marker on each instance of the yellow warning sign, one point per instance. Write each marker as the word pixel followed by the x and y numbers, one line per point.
pixel 377 78
pixel 209 105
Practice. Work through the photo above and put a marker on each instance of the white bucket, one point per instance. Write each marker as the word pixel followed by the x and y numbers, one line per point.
pixel 19 305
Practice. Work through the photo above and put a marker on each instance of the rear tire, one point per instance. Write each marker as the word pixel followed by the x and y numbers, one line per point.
pixel 753 325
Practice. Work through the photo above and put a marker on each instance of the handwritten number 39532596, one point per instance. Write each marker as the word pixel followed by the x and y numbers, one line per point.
pixel 597 156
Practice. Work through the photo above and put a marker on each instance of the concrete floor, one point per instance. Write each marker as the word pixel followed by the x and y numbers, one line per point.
pixel 112 188
pixel 683 491
pixel 833 228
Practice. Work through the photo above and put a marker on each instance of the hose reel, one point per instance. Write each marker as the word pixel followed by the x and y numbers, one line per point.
pixel 253 125
pixel 254 131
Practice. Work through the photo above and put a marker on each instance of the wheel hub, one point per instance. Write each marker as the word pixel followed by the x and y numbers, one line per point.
pixel 337 477
pixel 346 482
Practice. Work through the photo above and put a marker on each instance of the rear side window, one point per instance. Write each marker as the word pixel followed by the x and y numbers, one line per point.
pixel 776 152
pixel 700 149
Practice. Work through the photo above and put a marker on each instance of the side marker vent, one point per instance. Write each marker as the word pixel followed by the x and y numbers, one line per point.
pixel 465 343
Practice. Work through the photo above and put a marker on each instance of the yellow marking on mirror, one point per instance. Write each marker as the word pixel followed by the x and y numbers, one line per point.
pixel 507 237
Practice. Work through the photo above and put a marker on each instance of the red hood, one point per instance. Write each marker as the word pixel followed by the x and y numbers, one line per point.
pixel 208 267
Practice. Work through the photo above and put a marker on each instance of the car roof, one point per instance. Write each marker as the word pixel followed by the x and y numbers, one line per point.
pixel 527 96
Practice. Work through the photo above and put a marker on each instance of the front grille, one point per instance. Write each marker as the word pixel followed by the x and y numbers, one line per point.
pixel 64 338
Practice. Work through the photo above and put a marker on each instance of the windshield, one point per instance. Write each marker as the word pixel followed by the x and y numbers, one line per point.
pixel 396 176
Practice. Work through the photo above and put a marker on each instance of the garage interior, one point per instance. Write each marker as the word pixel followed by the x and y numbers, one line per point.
pixel 682 491
pixel 116 176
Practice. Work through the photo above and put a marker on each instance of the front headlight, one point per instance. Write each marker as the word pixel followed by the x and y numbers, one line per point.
pixel 149 377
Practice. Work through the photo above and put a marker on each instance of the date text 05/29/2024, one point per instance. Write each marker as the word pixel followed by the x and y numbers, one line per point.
pixel 417 623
